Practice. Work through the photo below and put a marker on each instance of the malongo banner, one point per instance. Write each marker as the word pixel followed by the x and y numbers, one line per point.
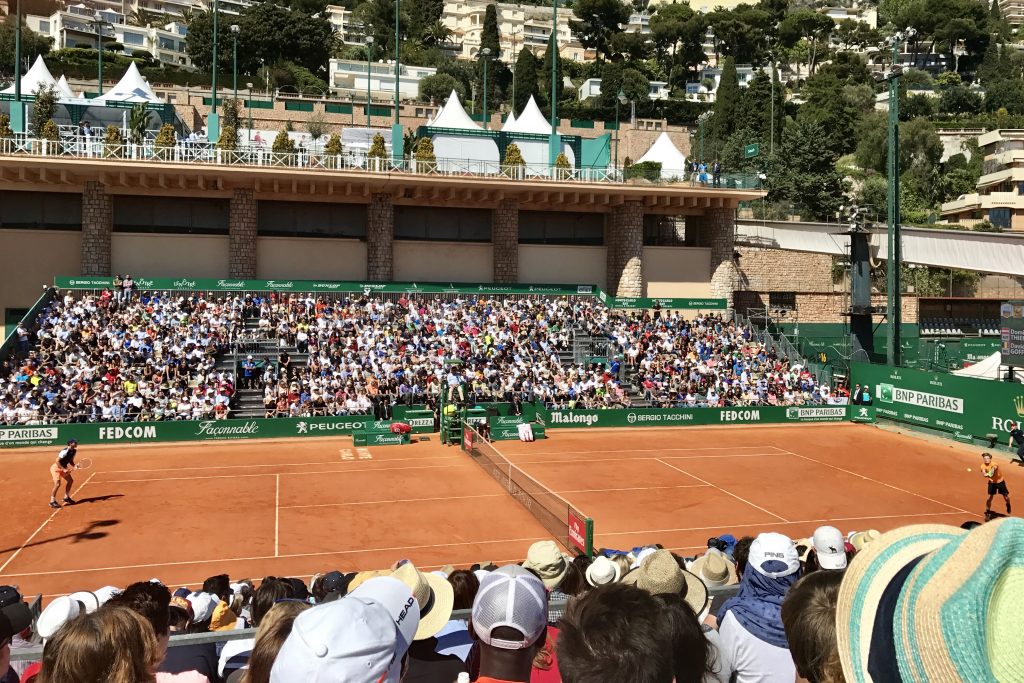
pixel 964 407
pixel 204 430
pixel 672 417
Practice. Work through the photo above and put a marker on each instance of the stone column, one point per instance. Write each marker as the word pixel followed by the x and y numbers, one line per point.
pixel 97 226
pixel 505 241
pixel 242 222
pixel 718 232
pixel 380 237
pixel 625 260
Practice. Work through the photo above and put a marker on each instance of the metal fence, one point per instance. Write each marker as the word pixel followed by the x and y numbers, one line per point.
pixel 209 154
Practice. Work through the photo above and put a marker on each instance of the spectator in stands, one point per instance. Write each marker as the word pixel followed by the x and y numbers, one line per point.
pixel 111 645
pixel 617 632
pixel 200 657
pixel 546 561
pixel 361 638
pixel 509 622
pixel 740 553
pixel 236 653
pixel 694 653
pixel 809 617
pixel 152 601
pixel 441 657
pixel 753 641
pixel 15 617
pixel 828 550
pixel 273 631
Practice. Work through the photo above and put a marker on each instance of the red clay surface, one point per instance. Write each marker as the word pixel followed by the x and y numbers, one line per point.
pixel 184 512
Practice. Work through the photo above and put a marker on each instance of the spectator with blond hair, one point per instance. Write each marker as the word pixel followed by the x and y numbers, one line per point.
pixel 273 631
pixel 111 645
pixel 809 617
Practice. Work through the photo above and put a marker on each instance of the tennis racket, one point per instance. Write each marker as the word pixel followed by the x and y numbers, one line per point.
pixel 83 464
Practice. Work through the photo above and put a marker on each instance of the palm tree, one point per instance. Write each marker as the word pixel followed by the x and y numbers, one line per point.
pixel 187 15
pixel 142 17
pixel 436 33
pixel 137 120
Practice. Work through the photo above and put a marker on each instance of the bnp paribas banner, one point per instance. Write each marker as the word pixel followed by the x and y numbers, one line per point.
pixel 203 430
pixel 966 408
pixel 657 417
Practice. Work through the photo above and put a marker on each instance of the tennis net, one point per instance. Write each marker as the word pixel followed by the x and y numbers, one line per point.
pixel 556 514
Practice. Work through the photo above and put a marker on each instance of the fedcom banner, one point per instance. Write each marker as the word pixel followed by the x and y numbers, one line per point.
pixel 964 407
pixel 209 430
pixel 658 417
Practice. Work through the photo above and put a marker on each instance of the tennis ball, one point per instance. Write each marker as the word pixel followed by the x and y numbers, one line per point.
pixel 969 469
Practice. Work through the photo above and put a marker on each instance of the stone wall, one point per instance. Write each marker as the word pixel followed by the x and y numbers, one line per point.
pixel 824 307
pixel 505 238
pixel 625 243
pixel 97 226
pixel 776 270
pixel 380 237
pixel 716 230
pixel 242 224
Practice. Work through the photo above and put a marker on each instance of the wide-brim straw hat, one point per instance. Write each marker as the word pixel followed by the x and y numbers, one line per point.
pixel 715 569
pixel 660 574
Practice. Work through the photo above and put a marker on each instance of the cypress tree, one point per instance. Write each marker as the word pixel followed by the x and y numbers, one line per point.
pixel 526 79
pixel 727 105
pixel 544 77
pixel 489 35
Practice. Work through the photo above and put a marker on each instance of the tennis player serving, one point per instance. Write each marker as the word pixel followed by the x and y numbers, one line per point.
pixel 62 469
pixel 995 484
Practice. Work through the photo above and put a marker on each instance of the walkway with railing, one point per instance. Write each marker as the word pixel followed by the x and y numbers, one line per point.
pixel 209 154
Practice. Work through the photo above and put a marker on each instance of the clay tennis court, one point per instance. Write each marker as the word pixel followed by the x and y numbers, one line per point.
pixel 295 507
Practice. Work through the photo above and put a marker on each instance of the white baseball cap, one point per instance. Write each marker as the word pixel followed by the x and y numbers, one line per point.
pixel 360 638
pixel 203 605
pixel 830 547
pixel 56 614
pixel 773 555
pixel 511 596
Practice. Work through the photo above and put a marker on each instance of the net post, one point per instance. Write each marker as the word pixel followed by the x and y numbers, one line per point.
pixel 590 537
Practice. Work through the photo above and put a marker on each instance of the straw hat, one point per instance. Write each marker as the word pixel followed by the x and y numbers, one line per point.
pixel 715 569
pixel 862 538
pixel 435 597
pixel 865 582
pixel 603 571
pixel 659 573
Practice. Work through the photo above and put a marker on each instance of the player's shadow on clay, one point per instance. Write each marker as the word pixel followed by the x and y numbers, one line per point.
pixel 89 533
pixel 98 499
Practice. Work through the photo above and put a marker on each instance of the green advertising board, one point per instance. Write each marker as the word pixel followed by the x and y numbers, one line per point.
pixel 1011 324
pixel 205 430
pixel 666 303
pixel 964 407
pixel 677 417
pixel 239 285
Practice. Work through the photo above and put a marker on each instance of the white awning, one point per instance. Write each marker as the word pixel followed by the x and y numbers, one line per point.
pixel 37 78
pixel 452 115
pixel 131 88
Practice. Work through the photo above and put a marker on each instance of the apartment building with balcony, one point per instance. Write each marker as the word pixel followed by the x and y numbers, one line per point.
pixel 349 77
pixel 1000 195
pixel 1013 12
pixel 519 26
pixel 76 26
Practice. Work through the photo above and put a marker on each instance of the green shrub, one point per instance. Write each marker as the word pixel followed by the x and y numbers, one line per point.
pixel 112 142
pixel 646 170
pixel 513 156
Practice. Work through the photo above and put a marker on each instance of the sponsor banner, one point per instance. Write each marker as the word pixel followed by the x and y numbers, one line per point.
pixel 238 285
pixel 862 413
pixel 664 303
pixel 964 407
pixel 380 439
pixel 498 421
pixel 658 417
pixel 578 532
pixel 204 430
pixel 1011 333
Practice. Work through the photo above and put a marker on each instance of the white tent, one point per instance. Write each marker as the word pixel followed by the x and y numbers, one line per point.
pixel 456 153
pixel 535 152
pixel 663 151
pixel 530 121
pixel 452 115
pixel 37 78
pixel 64 89
pixel 131 88
pixel 986 368
pixel 509 121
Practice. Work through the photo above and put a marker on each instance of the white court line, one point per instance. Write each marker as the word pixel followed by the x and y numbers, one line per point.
pixel 42 526
pixel 398 500
pixel 895 488
pixel 481 495
pixel 286 464
pixel 652 457
pixel 277 517
pixel 469 563
pixel 730 493
pixel 271 557
pixel 738 525
pixel 273 474
pixel 640 450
